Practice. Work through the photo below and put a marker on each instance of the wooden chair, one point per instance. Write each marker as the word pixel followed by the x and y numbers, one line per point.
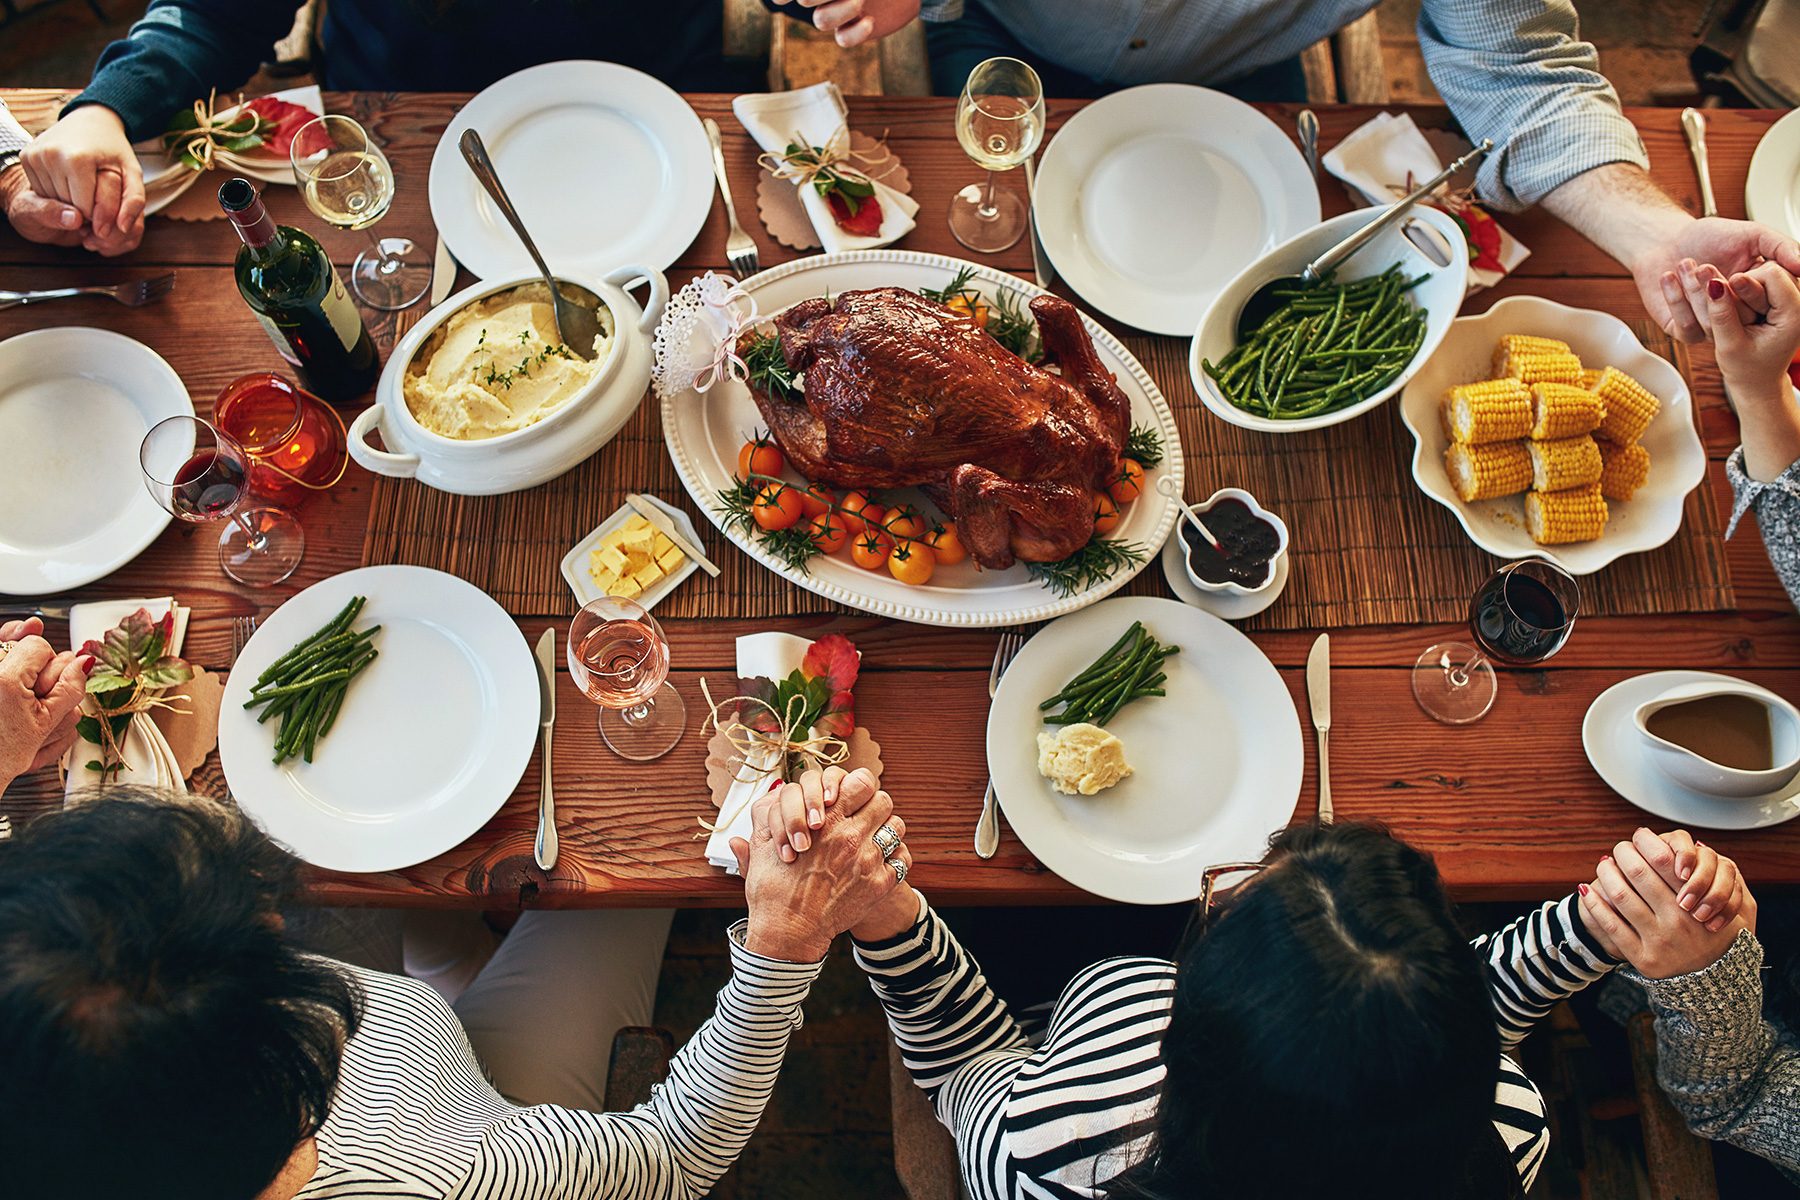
pixel 1680 1162
pixel 640 1061
pixel 924 1151
pixel 1347 68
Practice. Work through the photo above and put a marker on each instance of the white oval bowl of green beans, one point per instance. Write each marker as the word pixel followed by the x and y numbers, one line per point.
pixel 1340 348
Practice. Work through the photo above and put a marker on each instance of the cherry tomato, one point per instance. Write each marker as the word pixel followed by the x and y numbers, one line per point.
pixel 946 545
pixel 777 507
pixel 1106 513
pixel 759 456
pixel 912 562
pixel 851 505
pixel 1130 483
pixel 828 532
pixel 905 523
pixel 817 498
pixel 870 550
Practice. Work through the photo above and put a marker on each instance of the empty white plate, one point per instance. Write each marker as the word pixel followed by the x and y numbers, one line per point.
pixel 75 404
pixel 605 164
pixel 1772 188
pixel 430 742
pixel 1150 200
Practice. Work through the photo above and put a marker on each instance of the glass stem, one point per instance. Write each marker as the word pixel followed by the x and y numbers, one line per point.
pixel 637 715
pixel 388 263
pixel 256 538
pixel 989 210
pixel 1459 676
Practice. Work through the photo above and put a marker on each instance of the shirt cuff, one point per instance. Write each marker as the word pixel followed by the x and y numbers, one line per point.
pixel 1748 492
pixel 901 943
pixel 1532 162
pixel 1589 943
pixel 1719 995
pixel 140 103
pixel 941 10
pixel 12 134
pixel 750 965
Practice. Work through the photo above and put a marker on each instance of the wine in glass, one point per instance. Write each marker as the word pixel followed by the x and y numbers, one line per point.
pixel 346 180
pixel 200 474
pixel 619 658
pixel 999 121
pixel 1522 615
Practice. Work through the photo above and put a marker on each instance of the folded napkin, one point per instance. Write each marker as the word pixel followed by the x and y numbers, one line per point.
pixel 1387 156
pixel 817 116
pixel 149 762
pixel 775 655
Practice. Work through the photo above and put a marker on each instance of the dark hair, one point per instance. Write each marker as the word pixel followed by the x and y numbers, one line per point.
pixel 1331 1034
pixel 160 1036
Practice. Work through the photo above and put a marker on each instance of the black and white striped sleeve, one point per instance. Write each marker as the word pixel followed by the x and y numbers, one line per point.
pixel 1540 959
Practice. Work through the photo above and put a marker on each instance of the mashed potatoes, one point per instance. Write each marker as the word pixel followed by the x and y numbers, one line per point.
pixel 1081 759
pixel 500 365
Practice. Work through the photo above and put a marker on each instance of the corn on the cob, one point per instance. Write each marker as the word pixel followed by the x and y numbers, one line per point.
pixel 1623 469
pixel 1560 410
pixel 1530 366
pixel 1495 410
pixel 1522 344
pixel 1564 463
pixel 1483 472
pixel 1630 407
pixel 1590 376
pixel 1576 515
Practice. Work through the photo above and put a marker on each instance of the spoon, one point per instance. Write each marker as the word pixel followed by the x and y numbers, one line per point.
pixel 577 324
pixel 1188 515
pixel 1265 300
pixel 1308 122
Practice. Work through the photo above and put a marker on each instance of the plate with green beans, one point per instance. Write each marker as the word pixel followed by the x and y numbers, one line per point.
pixel 379 718
pixel 1336 348
pixel 1214 745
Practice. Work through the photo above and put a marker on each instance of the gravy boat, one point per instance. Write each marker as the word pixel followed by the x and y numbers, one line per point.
pixel 1702 774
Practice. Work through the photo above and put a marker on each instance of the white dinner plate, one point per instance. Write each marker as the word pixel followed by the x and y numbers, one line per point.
pixel 75 404
pixel 605 164
pixel 1217 761
pixel 1772 188
pixel 430 741
pixel 1616 749
pixel 704 434
pixel 1151 199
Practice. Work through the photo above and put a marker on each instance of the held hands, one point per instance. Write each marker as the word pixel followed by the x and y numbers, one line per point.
pixel 40 700
pixel 84 162
pixel 1754 316
pixel 857 21
pixel 1667 905
pixel 1673 291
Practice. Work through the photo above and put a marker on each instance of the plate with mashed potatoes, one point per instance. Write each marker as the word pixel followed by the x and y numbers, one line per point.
pixel 1135 802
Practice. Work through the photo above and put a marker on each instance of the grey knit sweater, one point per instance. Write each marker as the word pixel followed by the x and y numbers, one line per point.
pixel 1733 1075
pixel 1777 506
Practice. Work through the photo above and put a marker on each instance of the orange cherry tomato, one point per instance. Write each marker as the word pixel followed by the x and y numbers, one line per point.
pixel 905 524
pixel 870 550
pixel 777 507
pixel 912 562
pixel 1129 485
pixel 817 498
pixel 828 532
pixel 946 544
pixel 1106 513
pixel 852 503
pixel 759 456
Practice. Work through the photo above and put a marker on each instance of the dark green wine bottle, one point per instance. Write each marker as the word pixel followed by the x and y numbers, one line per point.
pixel 291 286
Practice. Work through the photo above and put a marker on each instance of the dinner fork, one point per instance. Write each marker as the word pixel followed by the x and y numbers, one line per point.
pixel 131 295
pixel 987 829
pixel 740 248
pixel 241 629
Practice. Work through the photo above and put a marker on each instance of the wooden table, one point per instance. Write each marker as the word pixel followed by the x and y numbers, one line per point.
pixel 1509 806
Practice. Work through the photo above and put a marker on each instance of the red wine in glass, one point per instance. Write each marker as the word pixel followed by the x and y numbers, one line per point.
pixel 1522 615
pixel 200 474
pixel 1518 619
pixel 207 486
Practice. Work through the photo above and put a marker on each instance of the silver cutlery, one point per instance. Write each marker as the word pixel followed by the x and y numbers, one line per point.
pixel 131 295
pixel 1308 126
pixel 987 829
pixel 1318 692
pixel 661 523
pixel 241 630
pixel 577 324
pixel 1693 124
pixel 740 247
pixel 545 848
pixel 56 609
pixel 443 274
pixel 1040 259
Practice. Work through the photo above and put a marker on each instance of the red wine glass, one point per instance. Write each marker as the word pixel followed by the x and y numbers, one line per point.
pixel 200 474
pixel 619 658
pixel 1522 615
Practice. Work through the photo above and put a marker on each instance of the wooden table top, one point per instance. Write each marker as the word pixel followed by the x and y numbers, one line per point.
pixel 1509 806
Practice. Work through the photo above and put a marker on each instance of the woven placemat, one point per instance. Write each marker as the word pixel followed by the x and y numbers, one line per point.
pixel 1368 547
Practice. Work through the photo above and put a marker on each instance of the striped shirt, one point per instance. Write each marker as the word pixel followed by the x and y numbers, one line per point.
pixel 1060 1114
pixel 1512 70
pixel 414 1116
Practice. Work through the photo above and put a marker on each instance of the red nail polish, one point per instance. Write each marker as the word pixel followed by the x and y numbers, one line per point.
pixel 1715 288
pixel 1582 888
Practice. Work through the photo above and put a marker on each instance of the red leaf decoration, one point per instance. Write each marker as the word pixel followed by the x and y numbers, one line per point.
pixel 833 659
pixel 284 121
pixel 864 222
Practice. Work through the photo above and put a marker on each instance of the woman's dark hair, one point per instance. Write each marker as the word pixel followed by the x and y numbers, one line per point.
pixel 158 1034
pixel 1331 1034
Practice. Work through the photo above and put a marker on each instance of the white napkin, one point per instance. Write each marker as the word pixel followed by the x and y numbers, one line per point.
pixel 817 114
pixel 1386 157
pixel 775 655
pixel 149 761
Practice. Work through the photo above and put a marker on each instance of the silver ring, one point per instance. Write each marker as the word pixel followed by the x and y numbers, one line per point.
pixel 886 840
pixel 899 870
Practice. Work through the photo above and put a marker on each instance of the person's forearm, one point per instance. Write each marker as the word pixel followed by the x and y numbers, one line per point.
pixel 1769 424
pixel 1620 209
pixel 1534 962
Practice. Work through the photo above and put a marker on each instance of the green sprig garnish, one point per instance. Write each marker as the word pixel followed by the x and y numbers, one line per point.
pixel 1144 445
pixel 736 507
pixel 767 367
pixel 1093 564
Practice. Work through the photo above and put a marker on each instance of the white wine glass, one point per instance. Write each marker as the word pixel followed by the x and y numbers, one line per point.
pixel 999 121
pixel 346 181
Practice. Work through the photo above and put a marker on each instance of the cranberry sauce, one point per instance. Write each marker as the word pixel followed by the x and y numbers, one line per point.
pixel 1248 543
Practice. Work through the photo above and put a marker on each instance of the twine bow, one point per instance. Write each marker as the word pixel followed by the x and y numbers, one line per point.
pixel 777 749
pixel 803 163
pixel 201 145
pixel 726 361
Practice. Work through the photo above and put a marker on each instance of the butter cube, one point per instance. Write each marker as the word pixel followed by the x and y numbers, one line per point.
pixel 648 575
pixel 610 557
pixel 625 588
pixel 670 560
pixel 661 544
pixel 636 521
pixel 606 581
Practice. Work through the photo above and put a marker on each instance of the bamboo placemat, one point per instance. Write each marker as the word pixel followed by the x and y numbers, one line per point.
pixel 1368 547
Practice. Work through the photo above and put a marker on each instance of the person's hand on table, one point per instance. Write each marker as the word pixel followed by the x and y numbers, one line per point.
pixel 1667 905
pixel 1754 316
pixel 38 218
pixel 40 700
pixel 85 160
pixel 854 22
pixel 1673 287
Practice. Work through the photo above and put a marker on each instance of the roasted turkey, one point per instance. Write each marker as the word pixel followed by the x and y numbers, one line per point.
pixel 897 390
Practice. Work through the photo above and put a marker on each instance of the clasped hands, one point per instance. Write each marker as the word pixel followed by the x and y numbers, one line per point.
pixel 1667 904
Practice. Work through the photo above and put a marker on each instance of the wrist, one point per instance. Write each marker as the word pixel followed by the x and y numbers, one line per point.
pixel 776 940
pixel 12 181
pixel 895 915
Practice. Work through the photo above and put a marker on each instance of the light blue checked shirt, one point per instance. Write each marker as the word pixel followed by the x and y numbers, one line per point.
pixel 1512 70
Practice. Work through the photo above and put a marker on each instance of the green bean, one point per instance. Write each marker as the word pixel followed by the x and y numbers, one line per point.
pixel 338 623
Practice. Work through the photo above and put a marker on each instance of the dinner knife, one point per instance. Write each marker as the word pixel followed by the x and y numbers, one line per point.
pixel 545 848
pixel 1040 261
pixel 443 273
pixel 1318 691
pixel 1693 123
pixel 660 521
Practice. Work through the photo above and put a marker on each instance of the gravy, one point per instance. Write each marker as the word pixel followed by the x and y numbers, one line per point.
pixel 1733 731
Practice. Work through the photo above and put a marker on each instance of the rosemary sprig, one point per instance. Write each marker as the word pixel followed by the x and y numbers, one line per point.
pixel 1008 321
pixel 1094 563
pixel 1145 445
pixel 767 368
pixel 736 506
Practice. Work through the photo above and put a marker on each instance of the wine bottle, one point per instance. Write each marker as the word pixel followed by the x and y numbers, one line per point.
pixel 291 286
